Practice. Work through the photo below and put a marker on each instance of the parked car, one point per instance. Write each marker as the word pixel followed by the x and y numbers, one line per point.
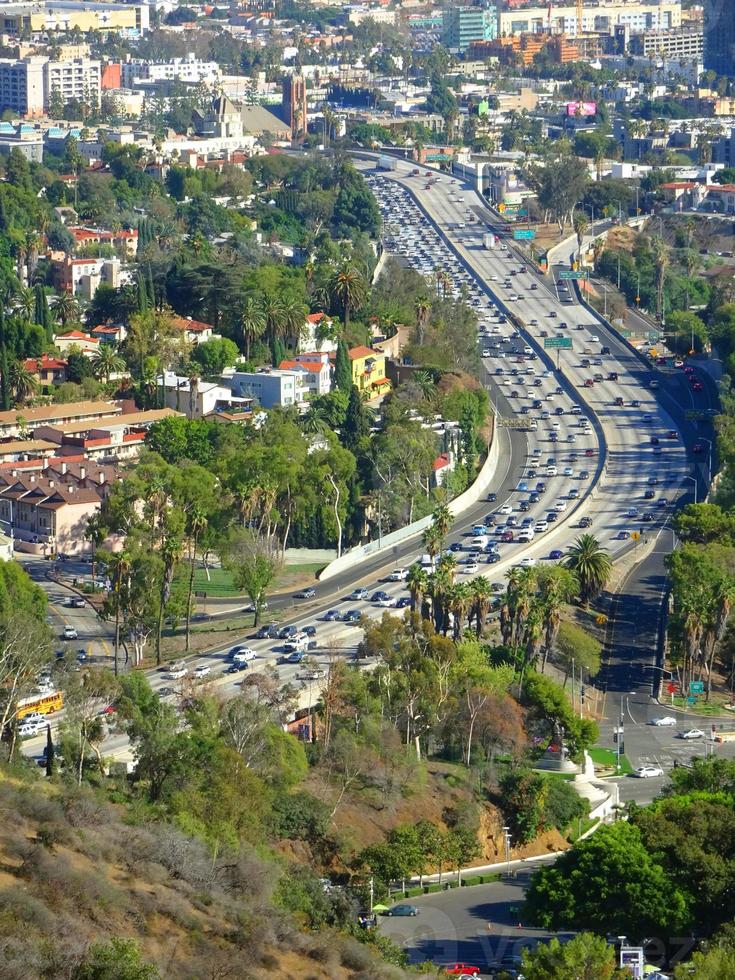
pixel 462 970
pixel 402 910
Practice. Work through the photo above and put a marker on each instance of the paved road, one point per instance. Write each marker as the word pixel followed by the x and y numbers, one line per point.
pixel 453 926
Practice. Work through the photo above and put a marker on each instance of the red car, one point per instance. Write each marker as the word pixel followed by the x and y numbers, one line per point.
pixel 462 969
pixel 698 447
pixel 688 369
pixel 697 386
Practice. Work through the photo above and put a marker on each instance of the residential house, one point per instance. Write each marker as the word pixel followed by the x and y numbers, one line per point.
pixel 110 333
pixel 125 240
pixel 195 332
pixel 270 387
pixel 24 450
pixel 17 423
pixel 368 370
pixel 316 334
pixel 76 339
pixel 111 439
pixel 44 517
pixel 199 399
pixel 81 277
pixel 442 466
pixel 724 194
pixel 46 370
pixel 315 370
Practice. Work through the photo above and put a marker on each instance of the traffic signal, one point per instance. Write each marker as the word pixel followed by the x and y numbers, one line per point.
pixel 615 736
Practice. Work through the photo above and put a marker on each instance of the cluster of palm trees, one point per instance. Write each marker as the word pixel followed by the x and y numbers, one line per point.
pixel 530 613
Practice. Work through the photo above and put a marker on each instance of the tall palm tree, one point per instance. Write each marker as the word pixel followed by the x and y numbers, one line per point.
pixel 106 361
pixel 347 286
pixel 274 312
pixel 417 584
pixel 520 594
pixel 442 519
pixel 557 586
pixel 22 382
pixel 294 319
pixel 591 564
pixel 459 602
pixel 431 540
pixel 252 322
pixel 422 308
pixel 482 595
pixel 581 224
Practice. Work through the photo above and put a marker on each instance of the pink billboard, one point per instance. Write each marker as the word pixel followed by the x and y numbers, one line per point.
pixel 581 108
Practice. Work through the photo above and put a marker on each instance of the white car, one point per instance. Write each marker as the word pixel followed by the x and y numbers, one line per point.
pixel 201 670
pixel 666 722
pixel 560 505
pixel 486 352
pixel 568 471
pixel 242 653
pixel 398 575
pixel 551 471
pixel 528 562
pixel 505 509
pixel 472 569
pixel 26 729
pixel 69 633
pixel 528 350
pixel 390 602
pixel 541 526
pixel 692 733
pixel 594 338
pixel 646 772
pixel 177 671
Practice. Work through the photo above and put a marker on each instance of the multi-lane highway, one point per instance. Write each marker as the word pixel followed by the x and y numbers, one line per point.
pixel 608 474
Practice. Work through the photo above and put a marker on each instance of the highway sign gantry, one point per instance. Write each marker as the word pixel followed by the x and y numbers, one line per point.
pixel 571 274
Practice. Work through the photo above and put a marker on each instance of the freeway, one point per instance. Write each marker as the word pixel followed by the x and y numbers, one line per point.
pixel 556 452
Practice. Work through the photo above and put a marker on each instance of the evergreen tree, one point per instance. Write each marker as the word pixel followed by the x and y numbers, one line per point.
pixel 50 753
pixel 41 315
pixel 151 289
pixel 4 367
pixel 278 351
pixel 142 294
pixel 342 369
pixel 356 425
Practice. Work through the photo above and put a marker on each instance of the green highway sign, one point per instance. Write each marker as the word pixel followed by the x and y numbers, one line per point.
pixel 523 233
pixel 570 274
pixel 558 343
pixel 696 687
pixel 691 700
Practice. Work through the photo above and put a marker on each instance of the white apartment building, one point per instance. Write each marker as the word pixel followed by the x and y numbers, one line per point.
pixel 602 18
pixel 27 84
pixel 135 71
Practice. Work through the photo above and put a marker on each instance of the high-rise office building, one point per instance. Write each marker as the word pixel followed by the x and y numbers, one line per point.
pixel 466 25
pixel 719 36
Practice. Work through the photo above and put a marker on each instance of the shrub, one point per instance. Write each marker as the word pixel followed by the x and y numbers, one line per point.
pixel 299 816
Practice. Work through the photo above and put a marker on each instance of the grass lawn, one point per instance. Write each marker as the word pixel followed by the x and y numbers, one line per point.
pixel 220 580
pixel 608 759
pixel 705 708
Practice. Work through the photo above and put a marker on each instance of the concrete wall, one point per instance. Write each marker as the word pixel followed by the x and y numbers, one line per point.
pixel 471 495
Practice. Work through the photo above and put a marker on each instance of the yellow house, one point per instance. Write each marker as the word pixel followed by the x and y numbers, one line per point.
pixel 368 370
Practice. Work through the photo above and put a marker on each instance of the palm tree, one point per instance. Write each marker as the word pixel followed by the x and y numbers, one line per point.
pixel 591 564
pixel 26 303
pixel 294 319
pixel 482 595
pixel 426 383
pixel 581 225
pixel 274 313
pixel 417 584
pixel 442 519
pixel 459 601
pixel 66 308
pixel 432 542
pixel 106 361
pixel 348 287
pixel 252 322
pixel 22 382
pixel 422 308
pixel 558 585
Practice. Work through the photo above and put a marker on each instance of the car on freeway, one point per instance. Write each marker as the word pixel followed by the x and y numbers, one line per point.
pixel 358 594
pixel 486 352
pixel 649 494
pixel 241 652
pixel 286 632
pixel 235 668
pixel 177 671
pixel 75 602
pixel 402 910
pixel 692 733
pixel 352 616
pixel 398 575
pixel 332 616
pixel 585 522
pixel 623 534
pixel 461 970
pixel 647 772
pixel 69 633
pixel 505 509
pixel 556 554
pixel 305 594
pixel 269 631
pixel 201 670
pixel 665 721
pixel 492 497
pixel 528 562
pixel 27 729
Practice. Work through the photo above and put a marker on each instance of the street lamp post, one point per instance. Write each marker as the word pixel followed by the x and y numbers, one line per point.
pixel 693 479
pixel 507 836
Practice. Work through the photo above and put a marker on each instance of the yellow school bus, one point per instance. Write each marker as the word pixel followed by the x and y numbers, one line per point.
pixel 44 704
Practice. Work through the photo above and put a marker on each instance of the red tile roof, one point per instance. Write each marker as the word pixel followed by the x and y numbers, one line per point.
pixel 440 463
pixel 316 317
pixel 44 363
pixel 195 326
pixel 313 366
pixel 356 352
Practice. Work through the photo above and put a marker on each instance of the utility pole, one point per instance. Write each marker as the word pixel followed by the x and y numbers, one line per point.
pixel 618 270
pixel 619 737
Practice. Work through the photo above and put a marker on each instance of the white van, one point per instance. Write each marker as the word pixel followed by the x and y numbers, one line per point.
pixel 478 543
